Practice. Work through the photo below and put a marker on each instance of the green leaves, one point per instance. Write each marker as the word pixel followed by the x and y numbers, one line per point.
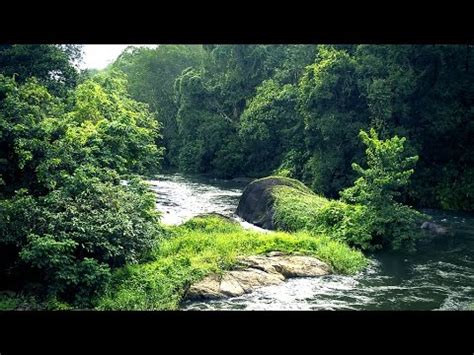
pixel 389 170
pixel 52 65
pixel 269 126
pixel 76 233
pixel 64 216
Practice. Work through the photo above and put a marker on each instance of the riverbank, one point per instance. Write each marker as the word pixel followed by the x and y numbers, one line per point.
pixel 437 276
pixel 211 245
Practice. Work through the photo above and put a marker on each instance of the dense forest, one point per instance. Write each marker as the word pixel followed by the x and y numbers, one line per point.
pixel 75 145
pixel 234 110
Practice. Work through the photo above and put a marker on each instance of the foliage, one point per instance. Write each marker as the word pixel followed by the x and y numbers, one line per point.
pixel 206 245
pixel 42 140
pixel 151 74
pixel 329 101
pixel 53 65
pixel 25 111
pixel 211 97
pixel 76 233
pixel 388 171
pixel 269 126
pixel 105 128
pixel 297 110
pixel 68 139
pixel 368 215
pixel 66 219
pixel 297 210
pixel 27 301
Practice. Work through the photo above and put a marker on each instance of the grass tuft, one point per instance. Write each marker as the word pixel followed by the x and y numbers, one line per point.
pixel 207 245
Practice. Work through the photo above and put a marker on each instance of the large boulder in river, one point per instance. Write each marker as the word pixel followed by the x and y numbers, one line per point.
pixel 256 204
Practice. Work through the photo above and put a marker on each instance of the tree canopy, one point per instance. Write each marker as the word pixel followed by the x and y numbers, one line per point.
pixel 297 109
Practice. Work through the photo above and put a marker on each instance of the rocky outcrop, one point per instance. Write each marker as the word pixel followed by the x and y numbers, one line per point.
pixel 256 271
pixel 256 204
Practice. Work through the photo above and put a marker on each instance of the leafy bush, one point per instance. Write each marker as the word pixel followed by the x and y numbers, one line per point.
pixel 299 210
pixel 368 215
pixel 75 234
pixel 389 222
pixel 10 301
pixel 65 219
pixel 345 222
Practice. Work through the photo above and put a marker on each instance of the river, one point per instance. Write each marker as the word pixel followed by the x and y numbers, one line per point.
pixel 439 276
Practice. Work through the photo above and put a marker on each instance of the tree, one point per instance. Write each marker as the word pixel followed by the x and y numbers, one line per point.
pixel 270 127
pixel 25 111
pixel 388 170
pixel 53 65
pixel 329 100
pixel 151 74
pixel 105 128
pixel 70 239
pixel 65 217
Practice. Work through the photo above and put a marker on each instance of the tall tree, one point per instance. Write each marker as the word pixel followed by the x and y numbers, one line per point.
pixel 53 65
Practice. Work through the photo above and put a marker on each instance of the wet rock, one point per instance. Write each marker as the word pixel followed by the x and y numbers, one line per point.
pixel 257 271
pixel 434 228
pixel 250 279
pixel 230 287
pixel 288 265
pixel 207 288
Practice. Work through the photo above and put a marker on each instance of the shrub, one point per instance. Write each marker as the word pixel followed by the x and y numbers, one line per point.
pixel 389 222
pixel 367 216
pixel 303 210
pixel 75 234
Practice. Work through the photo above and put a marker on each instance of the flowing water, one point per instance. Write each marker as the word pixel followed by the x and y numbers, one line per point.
pixel 439 276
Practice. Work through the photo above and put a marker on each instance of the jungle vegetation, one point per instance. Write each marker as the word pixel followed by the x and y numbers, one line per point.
pixel 373 129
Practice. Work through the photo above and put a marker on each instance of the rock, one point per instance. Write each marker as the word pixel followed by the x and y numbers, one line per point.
pixel 257 271
pixel 288 265
pixel 434 228
pixel 256 202
pixel 206 288
pixel 250 279
pixel 230 287
pixel 301 266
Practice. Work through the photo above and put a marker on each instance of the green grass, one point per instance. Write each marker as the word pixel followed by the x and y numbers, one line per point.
pixel 296 209
pixel 290 182
pixel 300 210
pixel 211 245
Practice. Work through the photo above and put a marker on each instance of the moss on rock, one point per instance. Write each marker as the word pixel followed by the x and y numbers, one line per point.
pixel 258 199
